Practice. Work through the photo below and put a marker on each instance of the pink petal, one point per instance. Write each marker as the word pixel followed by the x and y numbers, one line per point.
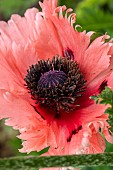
pixel 15 29
pixel 20 113
pixel 96 59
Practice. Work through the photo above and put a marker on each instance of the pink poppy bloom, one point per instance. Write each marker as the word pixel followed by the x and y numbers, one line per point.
pixel 49 70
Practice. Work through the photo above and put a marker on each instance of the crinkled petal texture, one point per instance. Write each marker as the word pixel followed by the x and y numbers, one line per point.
pixel 42 35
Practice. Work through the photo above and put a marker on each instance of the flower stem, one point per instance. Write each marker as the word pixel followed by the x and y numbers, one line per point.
pixel 30 162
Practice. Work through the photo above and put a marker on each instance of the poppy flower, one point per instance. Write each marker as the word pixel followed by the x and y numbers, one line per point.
pixel 49 70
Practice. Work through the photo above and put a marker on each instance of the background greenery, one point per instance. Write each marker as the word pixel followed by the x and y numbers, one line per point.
pixel 96 15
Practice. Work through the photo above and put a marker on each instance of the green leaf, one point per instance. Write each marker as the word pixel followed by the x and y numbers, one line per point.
pixel 106 97
pixel 30 162
pixel 96 98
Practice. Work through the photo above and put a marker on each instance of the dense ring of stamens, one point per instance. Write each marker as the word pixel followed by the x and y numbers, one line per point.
pixel 56 83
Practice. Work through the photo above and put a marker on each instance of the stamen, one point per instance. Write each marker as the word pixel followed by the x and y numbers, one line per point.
pixel 56 84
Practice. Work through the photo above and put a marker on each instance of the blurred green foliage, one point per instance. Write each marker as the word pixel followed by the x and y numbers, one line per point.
pixel 96 15
pixel 8 7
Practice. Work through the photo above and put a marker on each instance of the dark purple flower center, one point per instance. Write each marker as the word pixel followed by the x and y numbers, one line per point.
pixel 56 84
pixel 51 79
